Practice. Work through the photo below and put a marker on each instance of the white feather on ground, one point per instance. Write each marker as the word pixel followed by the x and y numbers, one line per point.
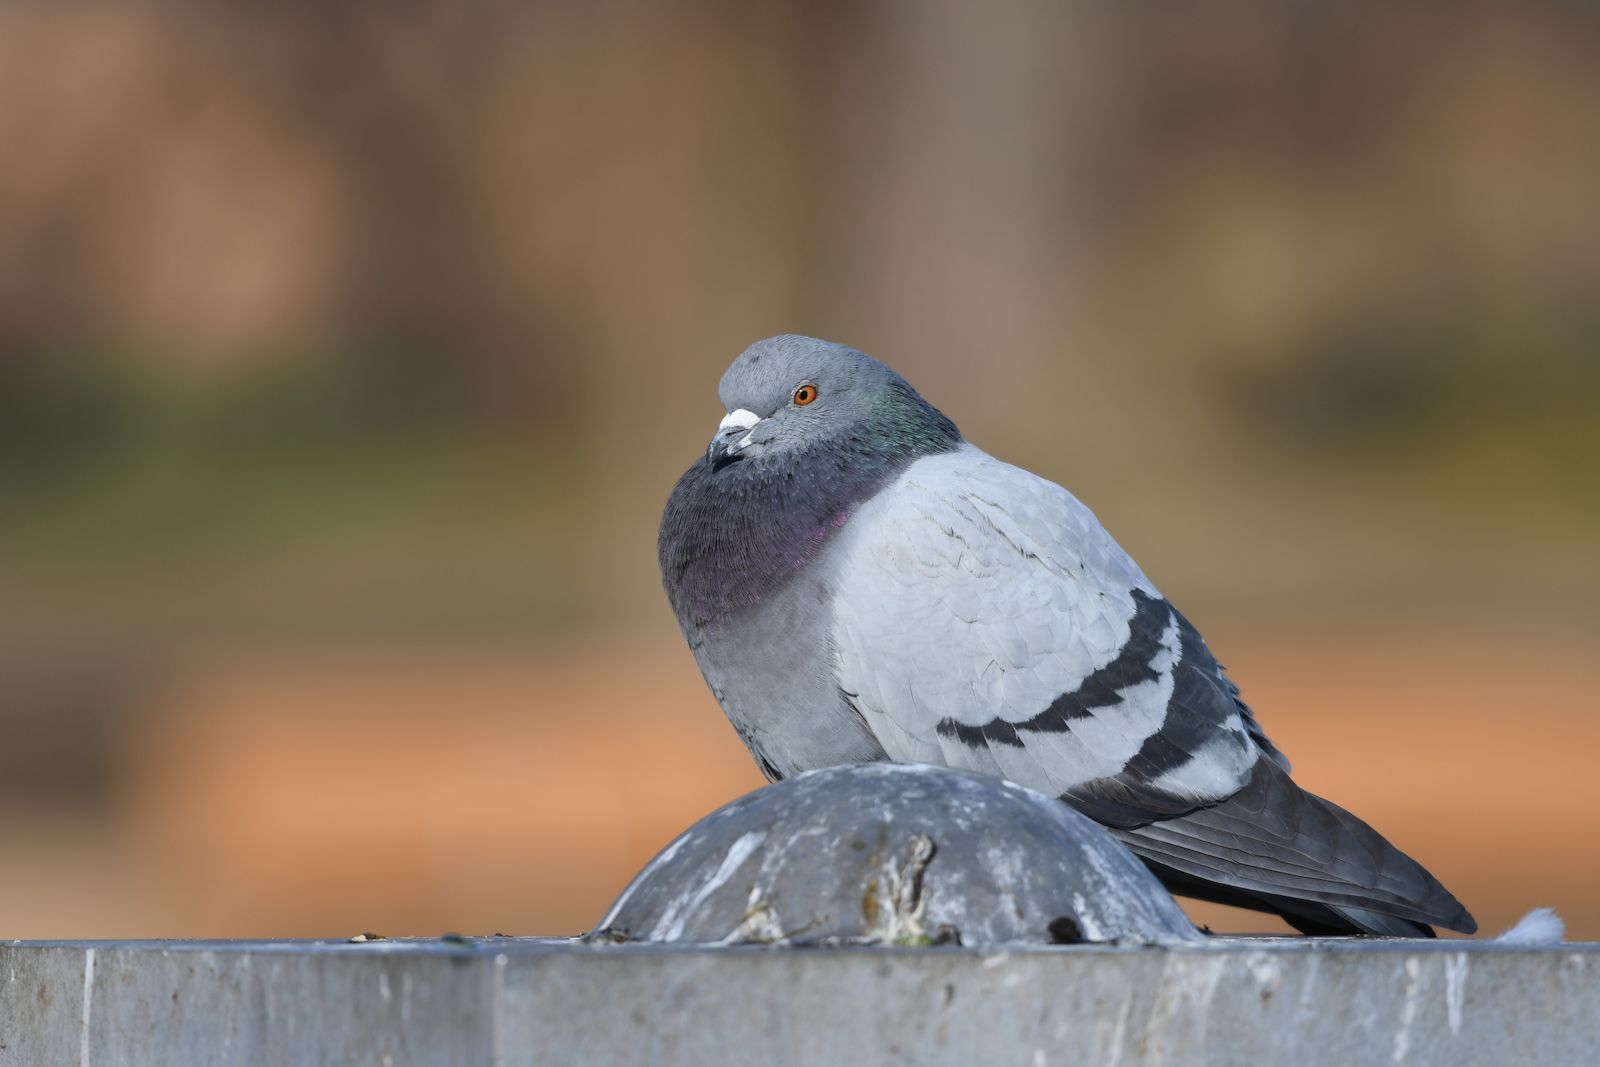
pixel 1540 927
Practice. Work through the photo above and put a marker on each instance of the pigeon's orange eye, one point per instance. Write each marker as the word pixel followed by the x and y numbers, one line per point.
pixel 805 395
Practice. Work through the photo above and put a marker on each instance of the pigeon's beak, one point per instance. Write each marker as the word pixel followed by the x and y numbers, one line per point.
pixel 733 434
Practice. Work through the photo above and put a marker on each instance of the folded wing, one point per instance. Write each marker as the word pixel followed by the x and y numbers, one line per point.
pixel 984 619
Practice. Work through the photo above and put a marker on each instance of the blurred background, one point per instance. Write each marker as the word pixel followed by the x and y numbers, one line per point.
pixel 349 351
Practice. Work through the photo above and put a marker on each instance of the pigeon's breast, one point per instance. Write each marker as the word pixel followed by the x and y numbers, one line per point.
pixel 733 541
pixel 772 670
pixel 747 557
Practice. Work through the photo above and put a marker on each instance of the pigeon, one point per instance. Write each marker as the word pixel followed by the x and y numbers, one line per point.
pixel 858 582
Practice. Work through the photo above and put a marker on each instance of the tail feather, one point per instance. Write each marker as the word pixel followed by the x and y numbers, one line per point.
pixel 1276 847
pixel 1375 922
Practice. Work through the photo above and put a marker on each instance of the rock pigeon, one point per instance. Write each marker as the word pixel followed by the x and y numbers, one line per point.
pixel 858 582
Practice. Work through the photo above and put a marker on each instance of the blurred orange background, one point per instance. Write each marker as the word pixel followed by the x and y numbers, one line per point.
pixel 348 353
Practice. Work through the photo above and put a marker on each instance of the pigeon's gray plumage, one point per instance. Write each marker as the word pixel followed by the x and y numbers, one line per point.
pixel 857 582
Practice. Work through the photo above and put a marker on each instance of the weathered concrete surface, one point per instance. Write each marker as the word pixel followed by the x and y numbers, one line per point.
pixel 511 1002
pixel 896 853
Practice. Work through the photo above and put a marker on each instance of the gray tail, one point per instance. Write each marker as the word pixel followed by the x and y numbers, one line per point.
pixel 1274 847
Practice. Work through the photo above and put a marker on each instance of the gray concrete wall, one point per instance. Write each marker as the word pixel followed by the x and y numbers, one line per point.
pixel 512 1002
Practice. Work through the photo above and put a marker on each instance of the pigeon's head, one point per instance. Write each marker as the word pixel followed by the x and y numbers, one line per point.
pixel 790 392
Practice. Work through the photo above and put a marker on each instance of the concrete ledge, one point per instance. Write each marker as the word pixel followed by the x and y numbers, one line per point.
pixel 512 1001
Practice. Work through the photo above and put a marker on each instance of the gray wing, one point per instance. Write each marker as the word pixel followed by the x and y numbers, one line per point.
pixel 984 619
